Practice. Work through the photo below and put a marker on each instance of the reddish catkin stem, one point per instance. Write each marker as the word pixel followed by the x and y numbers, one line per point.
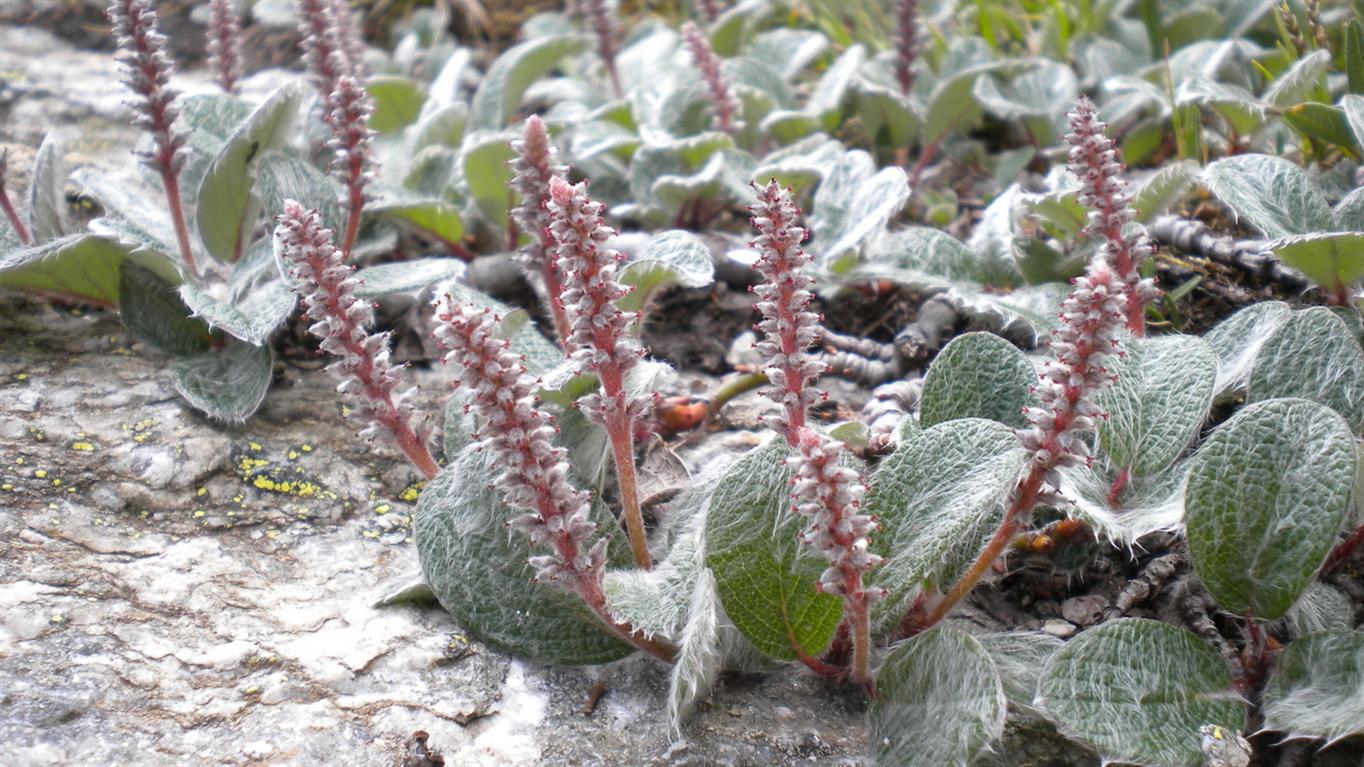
pixel 534 473
pixel 906 43
pixel 604 27
pixel 327 285
pixel 822 490
pixel 350 144
pixel 10 213
pixel 1343 550
pixel 224 43
pixel 723 104
pixel 1094 159
pixel 532 169
pixel 710 10
pixel 1092 319
pixel 147 70
pixel 598 336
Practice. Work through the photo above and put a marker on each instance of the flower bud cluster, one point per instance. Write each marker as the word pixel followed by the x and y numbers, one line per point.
pixel 1076 369
pixel 352 139
pixel 332 49
pixel 327 284
pixel 532 169
pixel 830 495
pixel 147 69
pixel 906 43
pixel 824 491
pixel 1095 161
pixel 598 331
pixel 604 27
pixel 788 328
pixel 224 43
pixel 710 10
pixel 724 105
pixel 534 474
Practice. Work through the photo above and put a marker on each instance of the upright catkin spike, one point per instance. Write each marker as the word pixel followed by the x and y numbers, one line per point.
pixel 824 491
pixel 906 43
pixel 598 337
pixel 533 168
pixel 350 38
pixel 534 472
pixel 723 103
pixel 321 44
pixel 599 15
pixel 1094 159
pixel 710 10
pixel 146 71
pixel 224 43
pixel 327 285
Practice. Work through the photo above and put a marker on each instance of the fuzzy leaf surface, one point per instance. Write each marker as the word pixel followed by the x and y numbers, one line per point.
pixel 1162 395
pixel 1333 260
pixel 154 313
pixel 282 177
pixel 397 103
pixel 854 202
pixel 1238 339
pixel 1275 195
pixel 1266 495
pixel 1321 608
pixel 939 499
pixel 1020 657
pixel 1317 687
pixel 977 375
pixel 673 257
pixel 764 576
pixel 1138 691
pixel 80 266
pixel 484 159
pixel 499 95
pixel 227 384
pixel 1146 504
pixel 1313 356
pixel 437 218
pixel 940 700
pixel 406 276
pixel 252 318
pixel 47 191
pixel 227 208
pixel 478 569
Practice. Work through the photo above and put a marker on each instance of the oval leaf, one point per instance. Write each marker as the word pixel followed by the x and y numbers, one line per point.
pixel 1333 260
pixel 1265 498
pixel 939 499
pixel 764 576
pixel 1313 356
pixel 397 103
pixel 668 258
pixel 977 375
pixel 1274 195
pixel 251 319
pixel 1138 691
pixel 939 700
pixel 227 384
pixel 47 191
pixel 479 571
pixel 153 312
pixel 1237 340
pixel 1162 395
pixel 499 95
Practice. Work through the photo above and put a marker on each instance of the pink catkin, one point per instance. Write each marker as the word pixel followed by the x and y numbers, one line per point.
pixel 327 285
pixel 825 492
pixel 533 168
pixel 710 10
pixel 604 27
pixel 1095 160
pixel 224 43
pixel 906 43
pixel 723 104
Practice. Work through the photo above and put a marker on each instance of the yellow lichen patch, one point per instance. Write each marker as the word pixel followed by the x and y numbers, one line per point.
pixel 36 433
pixel 306 448
pixel 382 509
pixel 201 492
pixel 19 461
pixel 256 447
pixel 200 513
pixel 248 465
pixel 40 473
pixel 21 376
pixel 56 483
pixel 411 492
pixel 6 487
pixel 293 455
pixel 84 447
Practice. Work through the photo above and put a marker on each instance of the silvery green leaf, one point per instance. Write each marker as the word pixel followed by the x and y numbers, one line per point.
pixel 153 313
pixel 227 208
pixel 47 191
pixel 1020 657
pixel 441 127
pixel 764 576
pixel 1138 691
pixel 397 103
pixel 938 499
pixel 226 383
pixel 1038 97
pixel 1243 112
pixel 1321 608
pixel 406 276
pixel 600 137
pixel 993 237
pixel 977 375
pixel 674 257
pixel 1266 495
pixel 754 78
pixel 499 95
pixel 800 165
pixel 433 173
pixel 134 214
pixel 1160 400
pixel 251 319
pixel 735 26
pixel 829 90
pixel 953 104
pixel 881 108
pixel 1317 688
pixel 478 569
pixel 787 126
pixel 787 50
pixel 657 601
pixel 853 203
pixel 282 177
pixel 922 254
pixel 1297 84
pixel 79 266
pixel 924 714
pixel 1146 504
pixel 700 650
pixel 1315 356
pixel 435 217
pixel 1273 194
pixel 1162 189
pixel 1238 340
pixel 217 115
pixel 484 159
pixel 1353 106
pixel 1349 212
pixel 1333 260
pixel 445 88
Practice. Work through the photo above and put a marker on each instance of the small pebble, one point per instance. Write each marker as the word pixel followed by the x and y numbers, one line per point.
pixel 1058 628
